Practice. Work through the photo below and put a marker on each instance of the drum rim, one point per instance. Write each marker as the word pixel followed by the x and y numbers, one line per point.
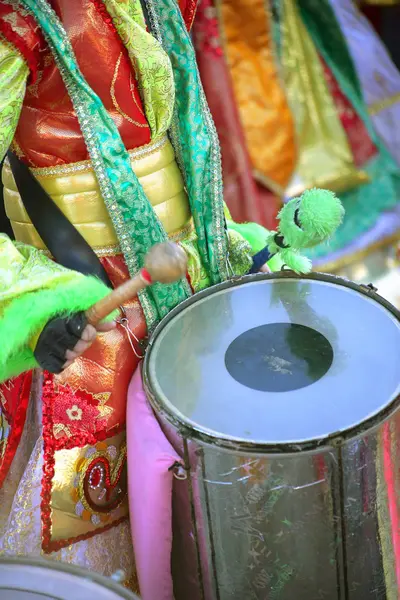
pixel 102 580
pixel 198 434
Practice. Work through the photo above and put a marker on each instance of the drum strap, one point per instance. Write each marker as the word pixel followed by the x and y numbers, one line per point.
pixel 260 259
pixel 60 236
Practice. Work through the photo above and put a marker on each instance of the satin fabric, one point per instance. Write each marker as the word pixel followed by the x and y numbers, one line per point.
pixel 261 101
pixel 76 192
pixel 379 77
pixel 150 62
pixel 325 157
pixel 48 132
pixel 246 200
pixel 150 459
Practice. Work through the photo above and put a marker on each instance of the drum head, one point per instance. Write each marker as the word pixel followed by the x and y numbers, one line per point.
pixel 25 579
pixel 276 360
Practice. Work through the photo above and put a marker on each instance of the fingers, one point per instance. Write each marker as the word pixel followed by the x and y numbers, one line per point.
pixel 79 349
pixel 87 338
pixel 265 269
pixel 104 327
pixel 88 334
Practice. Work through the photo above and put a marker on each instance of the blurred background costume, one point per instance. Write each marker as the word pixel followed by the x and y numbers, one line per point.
pixel 314 109
pixel 102 111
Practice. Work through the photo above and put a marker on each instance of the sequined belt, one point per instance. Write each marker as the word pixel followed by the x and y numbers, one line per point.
pixel 74 189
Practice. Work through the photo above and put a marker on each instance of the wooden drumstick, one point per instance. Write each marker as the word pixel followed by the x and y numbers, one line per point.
pixel 164 263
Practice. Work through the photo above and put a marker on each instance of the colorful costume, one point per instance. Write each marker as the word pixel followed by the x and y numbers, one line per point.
pixel 103 112
pixel 304 112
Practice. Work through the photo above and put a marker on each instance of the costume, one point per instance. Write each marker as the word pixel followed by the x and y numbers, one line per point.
pixel 304 115
pixel 246 197
pixel 380 84
pixel 87 92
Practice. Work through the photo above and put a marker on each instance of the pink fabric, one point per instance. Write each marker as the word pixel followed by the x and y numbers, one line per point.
pixel 150 456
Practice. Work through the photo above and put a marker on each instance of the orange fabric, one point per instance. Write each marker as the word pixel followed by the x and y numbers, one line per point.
pixel 245 200
pixel 265 114
pixel 48 133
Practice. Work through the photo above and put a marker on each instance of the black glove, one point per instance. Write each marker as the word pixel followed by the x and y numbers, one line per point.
pixel 58 336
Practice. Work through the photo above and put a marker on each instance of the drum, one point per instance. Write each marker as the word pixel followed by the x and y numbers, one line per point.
pixel 281 395
pixel 29 579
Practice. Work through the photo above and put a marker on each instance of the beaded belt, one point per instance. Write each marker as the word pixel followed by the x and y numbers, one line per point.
pixel 74 189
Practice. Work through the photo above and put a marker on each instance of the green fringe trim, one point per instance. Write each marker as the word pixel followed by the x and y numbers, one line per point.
pixel 27 314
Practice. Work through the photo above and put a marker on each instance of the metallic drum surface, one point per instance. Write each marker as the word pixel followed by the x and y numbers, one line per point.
pixel 23 578
pixel 281 395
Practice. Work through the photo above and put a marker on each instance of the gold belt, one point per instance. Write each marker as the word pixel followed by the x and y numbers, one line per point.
pixel 75 190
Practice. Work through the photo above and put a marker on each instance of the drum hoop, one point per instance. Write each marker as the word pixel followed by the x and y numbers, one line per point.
pixel 101 580
pixel 198 434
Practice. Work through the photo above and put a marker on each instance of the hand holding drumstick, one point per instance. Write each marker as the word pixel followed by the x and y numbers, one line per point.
pixel 165 263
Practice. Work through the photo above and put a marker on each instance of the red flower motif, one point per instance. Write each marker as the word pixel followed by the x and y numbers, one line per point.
pixel 75 412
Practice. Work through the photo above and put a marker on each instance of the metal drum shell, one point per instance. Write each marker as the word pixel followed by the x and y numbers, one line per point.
pixel 307 521
pixel 68 582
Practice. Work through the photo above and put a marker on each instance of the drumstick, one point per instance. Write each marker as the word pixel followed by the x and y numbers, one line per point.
pixel 165 263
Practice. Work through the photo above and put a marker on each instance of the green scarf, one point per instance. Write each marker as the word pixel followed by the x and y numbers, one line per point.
pixel 133 217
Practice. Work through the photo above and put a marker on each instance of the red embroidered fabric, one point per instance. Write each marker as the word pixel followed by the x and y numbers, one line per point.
pixel 14 399
pixel 49 137
pixel 86 436
pixel 188 8
pixel 22 31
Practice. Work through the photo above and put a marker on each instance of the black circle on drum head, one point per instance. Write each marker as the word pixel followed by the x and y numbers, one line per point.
pixel 279 357
pixel 189 385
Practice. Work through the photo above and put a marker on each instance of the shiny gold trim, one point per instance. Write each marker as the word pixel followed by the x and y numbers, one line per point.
pixel 107 251
pixel 380 105
pixel 114 99
pixel 176 236
pixel 182 233
pixel 79 198
pixel 86 165
pixel 348 260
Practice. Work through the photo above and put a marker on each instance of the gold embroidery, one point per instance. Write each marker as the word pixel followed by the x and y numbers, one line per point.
pixel 114 99
pixel 111 454
pixel 83 501
pixel 11 19
pixel 104 410
pixel 176 236
pixel 16 148
pixel 78 196
pixel 380 105
pixel 86 165
pixel 20 530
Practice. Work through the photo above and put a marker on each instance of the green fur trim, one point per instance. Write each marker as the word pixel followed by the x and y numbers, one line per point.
pixel 27 314
pixel 254 234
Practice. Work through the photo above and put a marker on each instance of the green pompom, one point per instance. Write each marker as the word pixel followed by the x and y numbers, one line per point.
pixel 321 213
pixel 305 222
pixel 310 219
